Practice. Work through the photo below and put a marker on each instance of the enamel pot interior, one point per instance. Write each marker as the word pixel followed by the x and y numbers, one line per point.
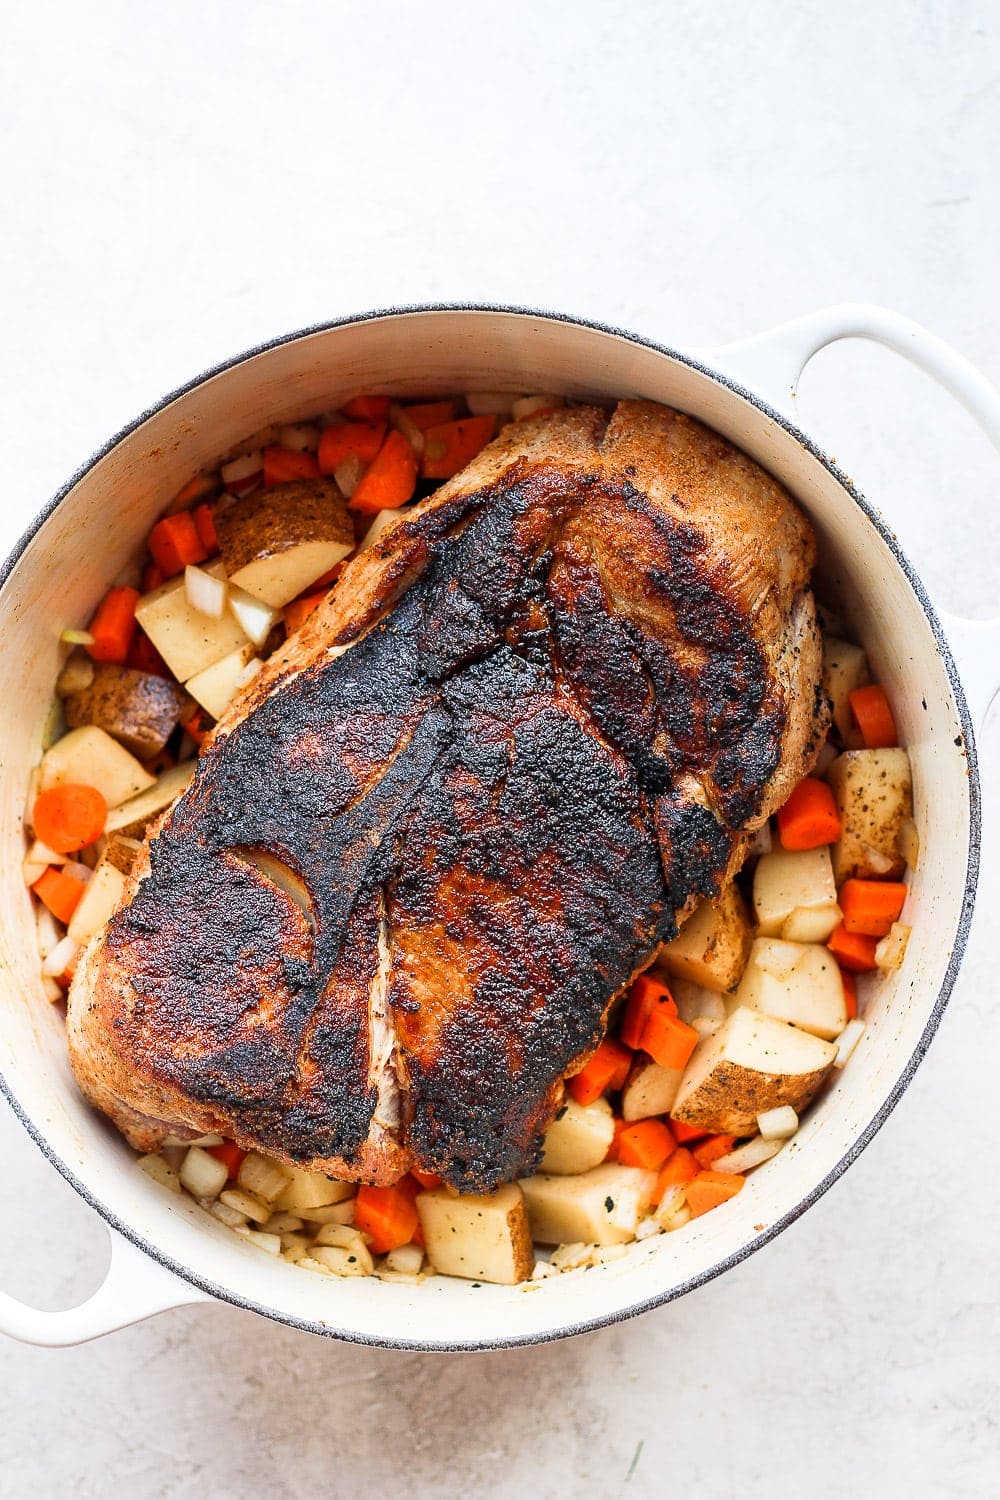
pixel 103 517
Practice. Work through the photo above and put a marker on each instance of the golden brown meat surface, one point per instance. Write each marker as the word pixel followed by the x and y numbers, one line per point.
pixel 438 834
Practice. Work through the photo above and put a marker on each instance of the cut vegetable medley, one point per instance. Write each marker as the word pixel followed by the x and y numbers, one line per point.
pixel 712 1055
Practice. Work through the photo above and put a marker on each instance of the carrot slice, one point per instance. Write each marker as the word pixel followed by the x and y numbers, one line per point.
pixel 646 1143
pixel 430 413
pixel 449 447
pixel 195 489
pixel 151 578
pixel 230 1155
pixel 60 892
pixel 871 906
pixel 282 465
pixel 612 1152
pixel 852 950
pixel 301 609
pixel 389 480
pixel 809 817
pixel 204 524
pixel 709 1189
pixel 387 1215
pixel 873 715
pixel 668 1040
pixel 606 1069
pixel 645 993
pixel 427 1180
pixel 360 440
pixel 850 984
pixel 174 543
pixel 681 1167
pixel 367 408
pixel 69 817
pixel 684 1132
pixel 113 625
pixel 711 1149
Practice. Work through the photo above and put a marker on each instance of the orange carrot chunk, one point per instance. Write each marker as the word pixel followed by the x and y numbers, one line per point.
pixel 645 993
pixel 360 440
pixel 612 1152
pixel 388 1215
pixel 448 448
pixel 872 714
pixel 113 625
pixel 681 1167
pixel 60 892
pixel 174 543
pixel 852 950
pixel 195 489
pixel 204 524
pixel 711 1149
pixel 430 413
pixel 668 1040
pixel 606 1069
pixel 282 465
pixel 871 906
pixel 428 1180
pixel 646 1144
pixel 684 1132
pixel 367 408
pixel 151 578
pixel 69 817
pixel 230 1155
pixel 709 1189
pixel 389 480
pixel 301 609
pixel 144 657
pixel 850 984
pixel 809 817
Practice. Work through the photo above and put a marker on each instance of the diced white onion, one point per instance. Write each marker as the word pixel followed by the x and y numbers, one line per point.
pixel 255 618
pixel 240 469
pixel 528 405
pixel 47 931
pixel 751 1154
pixel 891 950
pixel 490 403
pixel 706 1025
pixel 53 990
pixel 407 1259
pixel 41 854
pixel 77 637
pixel 78 870
pixel 269 1243
pixel 301 437
pixel 847 1041
pixel 348 474
pixel 646 1228
pixel 62 958
pixel 909 842
pixel 249 672
pixel 878 863
pixel 203 1175
pixel 33 870
pixel 227 1215
pixel 205 592
pixel 409 428
pixel 778 1124
pixel 247 1204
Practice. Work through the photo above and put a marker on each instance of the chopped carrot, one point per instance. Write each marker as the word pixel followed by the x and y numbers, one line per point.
pixel 430 413
pixel 709 1189
pixel 612 1152
pixel 390 479
pixel 387 1215
pixel 427 1180
pixel 301 609
pixel 151 578
pixel 195 726
pixel 230 1155
pixel 606 1069
pixel 60 892
pixel 850 984
pixel 174 543
pixel 195 489
pixel 449 447
pixel 646 1144
pixel 668 1040
pixel 645 993
pixel 282 465
pixel 366 408
pixel 204 524
pixel 873 715
pixel 144 657
pixel 69 817
pixel 711 1149
pixel 680 1168
pixel 113 625
pixel 325 579
pixel 871 906
pixel 684 1132
pixel 809 817
pixel 360 440
pixel 852 950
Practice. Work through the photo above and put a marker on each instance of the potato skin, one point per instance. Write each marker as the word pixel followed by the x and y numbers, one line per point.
pixel 272 521
pixel 732 1096
pixel 137 709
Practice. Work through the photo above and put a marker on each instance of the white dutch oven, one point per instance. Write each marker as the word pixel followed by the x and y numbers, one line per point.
pixel 165 1250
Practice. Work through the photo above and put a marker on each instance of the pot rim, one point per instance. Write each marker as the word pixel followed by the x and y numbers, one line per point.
pixel 671 1294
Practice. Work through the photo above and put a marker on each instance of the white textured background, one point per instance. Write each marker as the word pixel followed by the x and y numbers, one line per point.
pixel 179 181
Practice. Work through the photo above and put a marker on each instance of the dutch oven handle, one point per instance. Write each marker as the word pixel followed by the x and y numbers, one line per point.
pixel 771 365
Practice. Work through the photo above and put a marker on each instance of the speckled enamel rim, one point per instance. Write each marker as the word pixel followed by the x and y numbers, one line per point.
pixel 961 936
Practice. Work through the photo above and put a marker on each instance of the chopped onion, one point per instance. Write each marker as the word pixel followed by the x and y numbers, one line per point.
pixel 154 1166
pixel 41 854
pixel 572 1257
pixel 240 470
pixel 751 1154
pixel 408 1259
pixel 409 428
pixel 269 1243
pixel 54 991
pixel 227 1215
pixel 47 931
pixel 847 1041
pixel 778 1124
pixel 32 870
pixel 909 842
pixel 203 1175
pixel 706 1025
pixel 255 618
pixel 78 870
pixel 528 405
pixel 646 1228
pixel 490 403
pixel 880 864
pixel 542 1270
pixel 301 437
pixel 247 1204
pixel 890 952
pixel 348 474
pixel 206 593
pixel 76 637
pixel 62 958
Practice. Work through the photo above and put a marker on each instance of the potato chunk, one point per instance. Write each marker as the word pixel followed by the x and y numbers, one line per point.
pixel 138 709
pixel 712 946
pixel 578 1137
pixel 649 1090
pixel 795 982
pixel 217 686
pixel 754 1063
pixel 796 891
pixel 306 1190
pixel 278 541
pixel 845 667
pixel 92 757
pixel 132 819
pixel 873 790
pixel 600 1207
pixel 187 640
pixel 481 1236
pixel 104 891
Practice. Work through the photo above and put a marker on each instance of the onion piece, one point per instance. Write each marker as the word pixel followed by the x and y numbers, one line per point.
pixel 33 870
pixel 528 405
pixel 202 1174
pixel 878 863
pixel 751 1154
pixel 76 637
pixel 891 950
pixel 78 870
pixel 407 1259
pixel 301 437
pixel 62 958
pixel 255 618
pixel 47 931
pixel 490 403
pixel 909 842
pixel 847 1041
pixel 407 426
pixel 54 991
pixel 161 1171
pixel 778 1124
pixel 242 470
pixel 348 474
pixel 205 592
